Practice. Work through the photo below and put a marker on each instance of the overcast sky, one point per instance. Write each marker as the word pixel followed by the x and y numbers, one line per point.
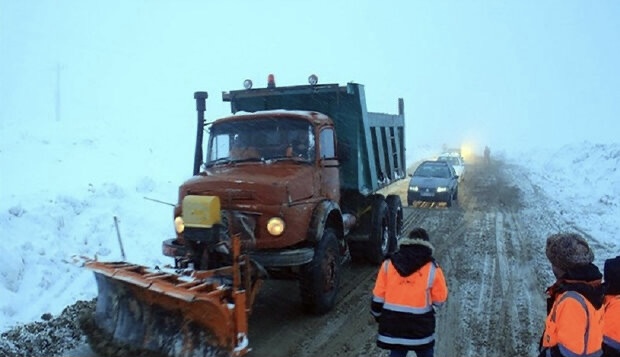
pixel 503 73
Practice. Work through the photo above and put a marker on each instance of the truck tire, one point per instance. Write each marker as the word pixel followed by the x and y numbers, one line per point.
pixel 380 238
pixel 395 208
pixel 319 280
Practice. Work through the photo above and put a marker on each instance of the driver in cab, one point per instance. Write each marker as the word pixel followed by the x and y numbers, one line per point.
pixel 298 146
pixel 242 149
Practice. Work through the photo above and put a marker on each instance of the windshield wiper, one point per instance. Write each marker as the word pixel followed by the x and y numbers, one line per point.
pixel 258 159
pixel 296 159
pixel 221 160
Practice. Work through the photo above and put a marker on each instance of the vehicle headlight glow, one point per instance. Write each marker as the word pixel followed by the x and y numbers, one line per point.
pixel 414 188
pixel 442 189
pixel 275 226
pixel 179 225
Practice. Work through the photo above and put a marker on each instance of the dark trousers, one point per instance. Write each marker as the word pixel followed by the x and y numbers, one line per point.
pixel 419 353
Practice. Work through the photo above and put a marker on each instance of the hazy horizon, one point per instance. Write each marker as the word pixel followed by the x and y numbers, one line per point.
pixel 509 74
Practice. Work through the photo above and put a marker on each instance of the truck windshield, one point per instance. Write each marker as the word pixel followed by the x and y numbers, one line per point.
pixel 260 140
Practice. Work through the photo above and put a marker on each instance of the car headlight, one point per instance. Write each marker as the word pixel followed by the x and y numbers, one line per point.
pixel 275 226
pixel 442 189
pixel 179 225
pixel 414 188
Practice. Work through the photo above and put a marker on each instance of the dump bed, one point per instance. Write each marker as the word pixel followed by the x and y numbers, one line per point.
pixel 371 146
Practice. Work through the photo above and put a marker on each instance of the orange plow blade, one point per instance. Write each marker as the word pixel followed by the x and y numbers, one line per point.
pixel 151 312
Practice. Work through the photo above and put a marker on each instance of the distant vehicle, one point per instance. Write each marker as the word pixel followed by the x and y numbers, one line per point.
pixel 452 151
pixel 433 181
pixel 456 161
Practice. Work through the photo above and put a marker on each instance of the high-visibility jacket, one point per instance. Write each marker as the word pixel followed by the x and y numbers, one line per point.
pixel 574 326
pixel 404 305
pixel 611 322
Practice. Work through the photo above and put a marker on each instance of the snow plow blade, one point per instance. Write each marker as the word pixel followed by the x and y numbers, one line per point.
pixel 151 312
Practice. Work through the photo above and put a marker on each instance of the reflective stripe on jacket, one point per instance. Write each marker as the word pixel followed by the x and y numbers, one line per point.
pixel 404 305
pixel 574 326
pixel 611 321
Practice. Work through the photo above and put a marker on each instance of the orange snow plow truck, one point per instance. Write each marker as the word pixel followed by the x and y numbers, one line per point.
pixel 288 189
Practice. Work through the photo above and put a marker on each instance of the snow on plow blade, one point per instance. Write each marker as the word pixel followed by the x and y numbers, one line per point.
pixel 147 312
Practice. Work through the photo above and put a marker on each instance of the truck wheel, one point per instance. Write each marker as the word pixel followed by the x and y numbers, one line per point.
pixel 319 280
pixel 395 207
pixel 380 237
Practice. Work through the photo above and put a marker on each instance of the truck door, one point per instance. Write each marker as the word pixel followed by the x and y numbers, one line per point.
pixel 329 166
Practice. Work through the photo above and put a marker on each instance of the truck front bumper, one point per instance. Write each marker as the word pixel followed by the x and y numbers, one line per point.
pixel 283 258
pixel 268 258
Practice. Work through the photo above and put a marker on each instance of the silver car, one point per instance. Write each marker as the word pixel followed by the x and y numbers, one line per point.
pixel 456 161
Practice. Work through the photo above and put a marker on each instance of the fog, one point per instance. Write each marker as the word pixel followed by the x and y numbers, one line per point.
pixel 509 74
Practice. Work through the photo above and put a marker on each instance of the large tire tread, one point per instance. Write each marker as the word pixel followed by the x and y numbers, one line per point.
pixel 395 208
pixel 377 249
pixel 319 280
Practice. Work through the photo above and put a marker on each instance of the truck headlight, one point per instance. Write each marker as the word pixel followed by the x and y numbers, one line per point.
pixel 275 226
pixel 442 189
pixel 179 225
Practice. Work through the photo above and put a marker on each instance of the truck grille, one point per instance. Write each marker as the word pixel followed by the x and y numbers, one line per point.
pixel 239 222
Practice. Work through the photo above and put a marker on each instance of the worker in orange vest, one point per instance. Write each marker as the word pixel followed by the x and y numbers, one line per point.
pixel 574 324
pixel 611 315
pixel 410 285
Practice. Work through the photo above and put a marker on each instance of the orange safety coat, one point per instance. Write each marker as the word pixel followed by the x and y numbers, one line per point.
pixel 404 305
pixel 611 321
pixel 574 326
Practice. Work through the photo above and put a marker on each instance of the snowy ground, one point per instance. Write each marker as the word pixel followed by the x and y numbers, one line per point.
pixel 60 192
pixel 581 180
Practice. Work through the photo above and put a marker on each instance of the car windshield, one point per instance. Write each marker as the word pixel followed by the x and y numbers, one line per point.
pixel 440 171
pixel 451 160
pixel 260 140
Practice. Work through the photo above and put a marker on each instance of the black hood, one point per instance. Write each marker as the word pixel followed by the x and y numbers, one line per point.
pixel 586 280
pixel 612 276
pixel 411 257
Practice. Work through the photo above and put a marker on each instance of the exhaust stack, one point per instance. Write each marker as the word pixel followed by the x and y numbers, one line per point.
pixel 201 98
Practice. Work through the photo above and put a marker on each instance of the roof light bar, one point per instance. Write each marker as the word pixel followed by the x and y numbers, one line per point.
pixel 271 81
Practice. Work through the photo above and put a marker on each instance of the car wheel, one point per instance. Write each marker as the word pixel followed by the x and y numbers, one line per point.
pixel 456 194
pixel 449 201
